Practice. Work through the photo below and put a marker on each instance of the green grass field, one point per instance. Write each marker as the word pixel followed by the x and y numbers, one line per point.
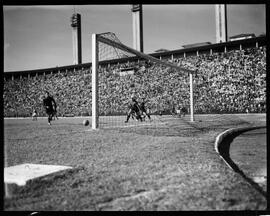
pixel 166 164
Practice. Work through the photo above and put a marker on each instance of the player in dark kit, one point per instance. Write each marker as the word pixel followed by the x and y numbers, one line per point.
pixel 143 109
pixel 183 111
pixel 134 109
pixel 49 105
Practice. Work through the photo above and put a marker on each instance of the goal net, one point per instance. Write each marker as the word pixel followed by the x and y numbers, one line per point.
pixel 162 85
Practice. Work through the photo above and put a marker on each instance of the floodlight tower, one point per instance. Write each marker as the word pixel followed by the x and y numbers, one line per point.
pixel 76 38
pixel 137 24
pixel 221 23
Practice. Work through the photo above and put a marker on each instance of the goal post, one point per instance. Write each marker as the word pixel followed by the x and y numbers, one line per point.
pixel 191 97
pixel 94 82
pixel 120 51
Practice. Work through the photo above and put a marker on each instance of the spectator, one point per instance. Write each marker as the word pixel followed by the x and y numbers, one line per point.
pixel 225 83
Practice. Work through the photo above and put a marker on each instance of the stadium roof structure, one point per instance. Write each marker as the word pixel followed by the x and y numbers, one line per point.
pixel 162 50
pixel 217 46
pixel 243 35
pixel 196 44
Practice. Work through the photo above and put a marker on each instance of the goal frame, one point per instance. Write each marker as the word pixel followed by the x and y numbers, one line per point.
pixel 95 64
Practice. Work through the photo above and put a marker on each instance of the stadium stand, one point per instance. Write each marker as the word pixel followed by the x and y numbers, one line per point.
pixel 225 82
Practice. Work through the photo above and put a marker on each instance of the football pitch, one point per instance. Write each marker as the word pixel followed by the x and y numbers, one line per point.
pixel 168 163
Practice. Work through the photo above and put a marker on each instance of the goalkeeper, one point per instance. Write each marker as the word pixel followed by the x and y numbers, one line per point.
pixel 134 109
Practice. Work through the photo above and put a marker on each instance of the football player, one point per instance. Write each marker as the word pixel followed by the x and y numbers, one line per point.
pixel 134 109
pixel 49 105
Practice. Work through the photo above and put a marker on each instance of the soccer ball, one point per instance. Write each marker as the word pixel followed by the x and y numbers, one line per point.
pixel 85 122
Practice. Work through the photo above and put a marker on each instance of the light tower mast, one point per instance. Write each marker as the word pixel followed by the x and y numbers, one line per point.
pixel 137 24
pixel 76 38
pixel 221 23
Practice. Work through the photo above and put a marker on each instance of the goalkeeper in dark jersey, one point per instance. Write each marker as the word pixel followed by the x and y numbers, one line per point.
pixel 134 109
pixel 49 106
pixel 143 109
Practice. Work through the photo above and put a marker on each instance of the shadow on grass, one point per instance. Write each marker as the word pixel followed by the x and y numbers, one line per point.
pixel 182 127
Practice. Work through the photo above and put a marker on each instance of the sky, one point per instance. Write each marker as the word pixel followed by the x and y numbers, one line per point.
pixel 37 37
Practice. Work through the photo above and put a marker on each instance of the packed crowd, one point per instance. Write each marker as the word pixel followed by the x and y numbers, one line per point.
pixel 232 82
